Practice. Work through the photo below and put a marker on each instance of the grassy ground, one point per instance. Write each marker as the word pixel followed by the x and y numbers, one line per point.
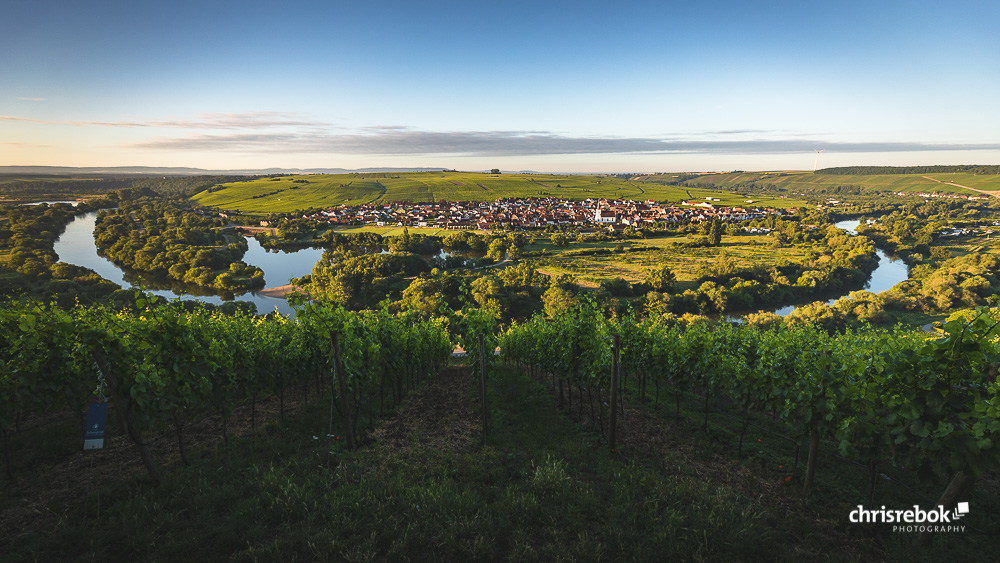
pixel 289 193
pixel 914 318
pixel 542 487
pixel 396 231
pixel 772 469
pixel 960 246
pixel 576 259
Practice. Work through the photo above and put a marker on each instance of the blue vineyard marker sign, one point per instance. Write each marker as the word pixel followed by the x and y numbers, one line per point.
pixel 93 438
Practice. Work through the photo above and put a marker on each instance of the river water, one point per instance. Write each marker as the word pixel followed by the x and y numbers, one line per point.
pixel 888 273
pixel 76 246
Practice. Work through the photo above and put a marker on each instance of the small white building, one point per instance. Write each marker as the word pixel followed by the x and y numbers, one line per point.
pixel 604 216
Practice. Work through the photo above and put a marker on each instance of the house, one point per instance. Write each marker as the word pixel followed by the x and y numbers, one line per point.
pixel 604 216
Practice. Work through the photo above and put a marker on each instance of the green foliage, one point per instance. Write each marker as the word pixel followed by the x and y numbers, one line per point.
pixel 165 238
pixel 927 404
pixel 661 279
pixel 423 295
pixel 871 170
pixel 476 331
pixel 168 361
pixel 945 398
pixel 359 281
pixel 558 300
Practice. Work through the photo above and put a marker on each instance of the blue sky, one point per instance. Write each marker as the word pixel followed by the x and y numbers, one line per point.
pixel 548 86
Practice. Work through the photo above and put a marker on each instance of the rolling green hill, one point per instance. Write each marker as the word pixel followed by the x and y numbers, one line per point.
pixel 289 193
pixel 798 182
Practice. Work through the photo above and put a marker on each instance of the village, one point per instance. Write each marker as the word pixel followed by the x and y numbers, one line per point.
pixel 535 212
pixel 943 195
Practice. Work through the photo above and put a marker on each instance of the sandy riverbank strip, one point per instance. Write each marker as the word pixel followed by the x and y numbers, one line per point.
pixel 281 291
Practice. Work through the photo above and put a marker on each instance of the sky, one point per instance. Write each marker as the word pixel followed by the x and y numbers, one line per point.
pixel 548 86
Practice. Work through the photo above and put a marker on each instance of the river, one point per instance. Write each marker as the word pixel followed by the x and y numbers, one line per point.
pixel 888 273
pixel 76 246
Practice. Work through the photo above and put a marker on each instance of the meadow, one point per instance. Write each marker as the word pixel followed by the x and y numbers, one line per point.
pixel 590 265
pixel 290 193
pixel 963 245
pixel 594 261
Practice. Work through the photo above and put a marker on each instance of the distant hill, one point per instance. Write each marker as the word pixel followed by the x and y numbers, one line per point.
pixel 182 171
pixel 977 169
pixel 821 182
pixel 298 192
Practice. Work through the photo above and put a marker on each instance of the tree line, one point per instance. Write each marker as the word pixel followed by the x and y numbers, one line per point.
pixel 165 238
pixel 978 169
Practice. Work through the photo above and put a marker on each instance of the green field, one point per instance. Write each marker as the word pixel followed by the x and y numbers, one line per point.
pixel 634 265
pixel 396 231
pixel 978 244
pixel 807 182
pixel 290 193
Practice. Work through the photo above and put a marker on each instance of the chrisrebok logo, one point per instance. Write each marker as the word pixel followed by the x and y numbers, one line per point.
pixel 915 519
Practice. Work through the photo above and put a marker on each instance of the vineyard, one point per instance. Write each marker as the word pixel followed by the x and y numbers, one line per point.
pixel 159 365
pixel 924 404
pixel 920 410
pixel 289 193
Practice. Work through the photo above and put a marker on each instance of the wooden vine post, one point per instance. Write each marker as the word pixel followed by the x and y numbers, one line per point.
pixel 123 406
pixel 342 389
pixel 482 385
pixel 813 449
pixel 615 346
pixel 811 460
pixel 960 486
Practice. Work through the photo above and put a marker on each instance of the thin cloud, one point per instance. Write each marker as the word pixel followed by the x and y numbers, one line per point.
pixel 24 145
pixel 738 132
pixel 211 121
pixel 289 132
pixel 399 141
pixel 33 99
pixel 15 118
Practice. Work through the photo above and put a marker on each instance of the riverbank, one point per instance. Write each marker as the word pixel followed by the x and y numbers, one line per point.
pixel 281 291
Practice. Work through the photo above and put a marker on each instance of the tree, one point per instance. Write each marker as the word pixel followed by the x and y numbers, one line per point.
pixel 486 289
pixel 558 300
pixel 224 281
pixel 62 270
pixel 618 287
pixel 657 304
pixel 423 295
pixel 661 279
pixel 458 240
pixel 496 250
pixel 521 277
pixel 559 239
pixel 715 232
pixel 565 281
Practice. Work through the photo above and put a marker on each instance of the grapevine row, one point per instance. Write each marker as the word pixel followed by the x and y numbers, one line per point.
pixel 920 402
pixel 161 363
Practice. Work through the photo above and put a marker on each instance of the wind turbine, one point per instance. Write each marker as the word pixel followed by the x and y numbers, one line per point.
pixel 816 162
